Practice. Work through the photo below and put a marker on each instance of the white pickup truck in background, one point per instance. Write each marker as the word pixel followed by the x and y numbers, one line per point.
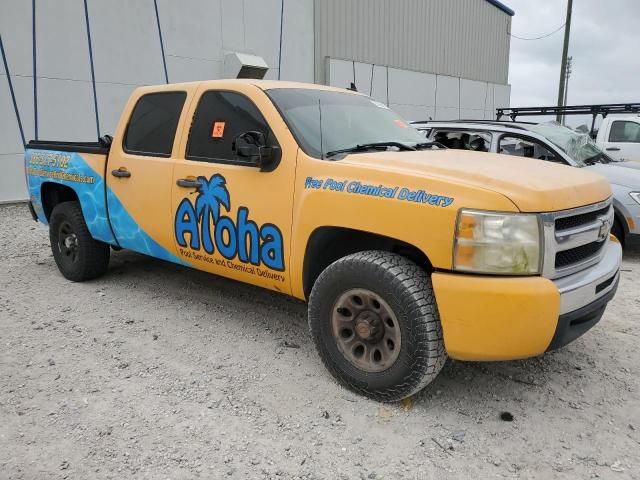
pixel 619 137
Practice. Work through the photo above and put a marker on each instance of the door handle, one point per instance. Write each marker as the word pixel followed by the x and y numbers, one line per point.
pixel 121 173
pixel 188 183
pixel 612 149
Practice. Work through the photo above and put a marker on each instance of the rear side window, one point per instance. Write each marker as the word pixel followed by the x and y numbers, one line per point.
pixel 624 132
pixel 220 117
pixel 463 140
pixel 520 147
pixel 153 124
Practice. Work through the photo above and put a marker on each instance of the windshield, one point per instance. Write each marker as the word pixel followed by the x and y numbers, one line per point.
pixel 579 146
pixel 348 120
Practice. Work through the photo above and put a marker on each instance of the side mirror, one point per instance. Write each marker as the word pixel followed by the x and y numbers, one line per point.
pixel 252 145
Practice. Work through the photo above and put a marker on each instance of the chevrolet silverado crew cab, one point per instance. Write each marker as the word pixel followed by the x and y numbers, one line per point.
pixel 406 253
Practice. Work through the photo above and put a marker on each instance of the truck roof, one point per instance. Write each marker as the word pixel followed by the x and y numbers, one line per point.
pixel 496 124
pixel 225 83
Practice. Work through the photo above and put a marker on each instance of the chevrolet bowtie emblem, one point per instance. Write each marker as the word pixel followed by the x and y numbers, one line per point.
pixel 605 227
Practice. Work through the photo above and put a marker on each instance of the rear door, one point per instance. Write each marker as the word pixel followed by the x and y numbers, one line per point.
pixel 232 217
pixel 140 173
pixel 622 141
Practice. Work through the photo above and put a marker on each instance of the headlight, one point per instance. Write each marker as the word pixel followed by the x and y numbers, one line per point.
pixel 497 243
pixel 635 196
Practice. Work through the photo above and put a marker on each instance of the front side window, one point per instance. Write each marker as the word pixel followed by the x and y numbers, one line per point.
pixel 623 131
pixel 474 141
pixel 153 123
pixel 325 121
pixel 220 117
pixel 520 147
pixel 578 146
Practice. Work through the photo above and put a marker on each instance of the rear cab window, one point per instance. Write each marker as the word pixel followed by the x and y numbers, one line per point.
pixel 219 118
pixel 152 127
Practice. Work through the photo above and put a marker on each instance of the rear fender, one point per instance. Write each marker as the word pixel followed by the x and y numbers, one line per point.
pixel 54 176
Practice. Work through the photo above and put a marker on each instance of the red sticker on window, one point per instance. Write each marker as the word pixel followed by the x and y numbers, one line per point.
pixel 218 130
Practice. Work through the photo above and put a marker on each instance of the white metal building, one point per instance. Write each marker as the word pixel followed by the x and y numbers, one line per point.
pixel 443 59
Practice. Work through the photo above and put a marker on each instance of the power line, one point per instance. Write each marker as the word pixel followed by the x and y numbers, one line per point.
pixel 541 36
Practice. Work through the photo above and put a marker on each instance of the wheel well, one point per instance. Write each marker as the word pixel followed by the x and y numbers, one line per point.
pixel 51 194
pixel 620 220
pixel 328 244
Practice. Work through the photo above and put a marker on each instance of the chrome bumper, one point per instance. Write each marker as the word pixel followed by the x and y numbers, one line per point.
pixel 587 286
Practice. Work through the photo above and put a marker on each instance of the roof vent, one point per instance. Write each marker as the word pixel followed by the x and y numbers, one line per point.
pixel 244 65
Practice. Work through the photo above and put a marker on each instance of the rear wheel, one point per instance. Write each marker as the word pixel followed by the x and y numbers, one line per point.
pixel 79 257
pixel 374 321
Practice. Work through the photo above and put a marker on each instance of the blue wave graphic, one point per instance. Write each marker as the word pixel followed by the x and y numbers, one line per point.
pixel 131 236
pixel 91 196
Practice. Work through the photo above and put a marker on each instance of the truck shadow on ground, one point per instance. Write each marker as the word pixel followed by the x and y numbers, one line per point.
pixel 459 386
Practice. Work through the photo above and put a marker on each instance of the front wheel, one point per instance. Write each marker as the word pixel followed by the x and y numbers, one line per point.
pixel 374 321
pixel 79 257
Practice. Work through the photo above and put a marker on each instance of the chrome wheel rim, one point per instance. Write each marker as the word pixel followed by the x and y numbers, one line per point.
pixel 366 330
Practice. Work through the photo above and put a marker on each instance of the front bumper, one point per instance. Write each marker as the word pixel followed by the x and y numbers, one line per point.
pixel 504 318
pixel 573 324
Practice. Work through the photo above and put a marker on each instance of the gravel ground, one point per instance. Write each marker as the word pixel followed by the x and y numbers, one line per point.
pixel 157 371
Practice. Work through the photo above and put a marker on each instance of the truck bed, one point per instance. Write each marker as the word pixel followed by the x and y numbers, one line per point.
pixel 64 171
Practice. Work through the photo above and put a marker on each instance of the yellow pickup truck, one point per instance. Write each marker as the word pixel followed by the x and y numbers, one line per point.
pixel 406 252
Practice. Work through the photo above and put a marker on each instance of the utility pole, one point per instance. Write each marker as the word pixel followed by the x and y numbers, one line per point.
pixel 566 84
pixel 565 51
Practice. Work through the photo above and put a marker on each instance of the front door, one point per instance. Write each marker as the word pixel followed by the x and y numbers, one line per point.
pixel 232 216
pixel 140 173
pixel 623 140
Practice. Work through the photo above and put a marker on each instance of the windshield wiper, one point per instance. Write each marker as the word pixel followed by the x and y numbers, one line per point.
pixel 363 147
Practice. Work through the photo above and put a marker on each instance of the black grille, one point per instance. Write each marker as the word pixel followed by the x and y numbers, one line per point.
pixel 578 254
pixel 566 223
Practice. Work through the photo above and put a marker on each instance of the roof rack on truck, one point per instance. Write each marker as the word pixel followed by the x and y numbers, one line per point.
pixel 603 109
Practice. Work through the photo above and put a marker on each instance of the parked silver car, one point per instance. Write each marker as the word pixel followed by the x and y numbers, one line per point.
pixel 554 143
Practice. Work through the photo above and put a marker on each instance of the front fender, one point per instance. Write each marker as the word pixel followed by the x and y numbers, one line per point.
pixel 424 216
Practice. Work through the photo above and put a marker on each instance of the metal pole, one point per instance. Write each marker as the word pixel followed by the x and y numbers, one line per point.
pixel 566 86
pixel 34 68
pixel 565 51
pixel 13 94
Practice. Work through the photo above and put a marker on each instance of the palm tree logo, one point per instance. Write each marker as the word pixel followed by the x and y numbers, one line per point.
pixel 211 194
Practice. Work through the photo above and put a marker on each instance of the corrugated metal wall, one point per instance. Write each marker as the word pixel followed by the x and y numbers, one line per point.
pixel 460 38
pixel 126 52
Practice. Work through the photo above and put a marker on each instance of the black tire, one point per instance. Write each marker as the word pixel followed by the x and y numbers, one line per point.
pixel 406 288
pixel 81 258
pixel 618 231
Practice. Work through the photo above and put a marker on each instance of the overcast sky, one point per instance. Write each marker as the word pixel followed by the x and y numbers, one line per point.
pixel 605 45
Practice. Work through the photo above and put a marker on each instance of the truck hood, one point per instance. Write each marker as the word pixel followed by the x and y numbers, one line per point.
pixel 618 174
pixel 532 185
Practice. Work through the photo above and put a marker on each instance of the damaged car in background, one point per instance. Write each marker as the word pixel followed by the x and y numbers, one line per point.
pixel 554 143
